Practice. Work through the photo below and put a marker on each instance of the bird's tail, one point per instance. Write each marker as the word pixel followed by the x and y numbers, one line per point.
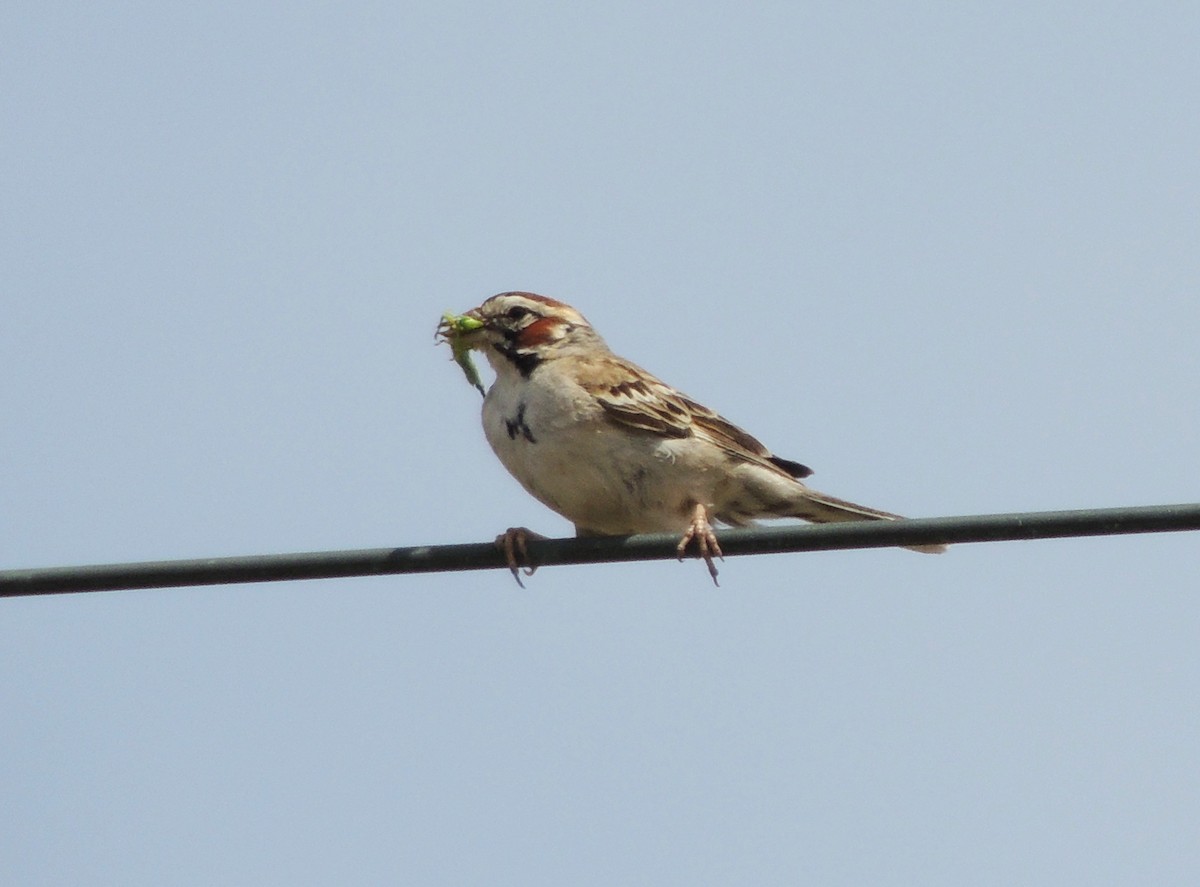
pixel 821 508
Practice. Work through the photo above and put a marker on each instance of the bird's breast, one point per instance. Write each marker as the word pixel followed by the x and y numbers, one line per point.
pixel 600 476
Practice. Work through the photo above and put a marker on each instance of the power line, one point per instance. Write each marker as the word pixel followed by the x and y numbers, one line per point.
pixel 549 552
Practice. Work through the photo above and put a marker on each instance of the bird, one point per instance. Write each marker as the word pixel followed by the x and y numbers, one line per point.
pixel 615 450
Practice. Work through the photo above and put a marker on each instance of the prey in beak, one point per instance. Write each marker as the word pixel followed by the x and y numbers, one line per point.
pixel 458 330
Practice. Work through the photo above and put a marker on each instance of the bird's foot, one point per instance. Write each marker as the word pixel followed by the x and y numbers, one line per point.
pixel 516 555
pixel 706 540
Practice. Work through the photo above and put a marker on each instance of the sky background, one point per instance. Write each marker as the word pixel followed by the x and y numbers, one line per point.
pixel 946 254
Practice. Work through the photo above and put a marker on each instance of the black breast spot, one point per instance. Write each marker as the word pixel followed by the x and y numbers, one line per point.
pixel 517 425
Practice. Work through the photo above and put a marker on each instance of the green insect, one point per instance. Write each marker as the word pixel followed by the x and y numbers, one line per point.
pixel 452 328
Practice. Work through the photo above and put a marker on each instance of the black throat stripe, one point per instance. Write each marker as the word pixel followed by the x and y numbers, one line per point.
pixel 525 361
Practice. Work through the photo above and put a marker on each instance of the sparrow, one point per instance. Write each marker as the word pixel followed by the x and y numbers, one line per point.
pixel 612 448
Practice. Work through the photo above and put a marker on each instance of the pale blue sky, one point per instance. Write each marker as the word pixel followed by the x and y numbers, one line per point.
pixel 946 254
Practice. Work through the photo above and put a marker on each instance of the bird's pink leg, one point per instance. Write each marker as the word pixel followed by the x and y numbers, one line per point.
pixel 706 540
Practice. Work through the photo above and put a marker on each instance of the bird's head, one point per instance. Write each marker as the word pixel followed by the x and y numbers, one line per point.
pixel 519 330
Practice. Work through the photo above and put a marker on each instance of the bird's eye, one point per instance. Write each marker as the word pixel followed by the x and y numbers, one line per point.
pixel 516 312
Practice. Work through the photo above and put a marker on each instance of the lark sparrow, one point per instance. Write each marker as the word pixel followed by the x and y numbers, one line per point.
pixel 613 449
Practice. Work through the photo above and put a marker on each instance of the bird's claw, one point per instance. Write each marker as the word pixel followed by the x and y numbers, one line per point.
pixel 706 541
pixel 516 555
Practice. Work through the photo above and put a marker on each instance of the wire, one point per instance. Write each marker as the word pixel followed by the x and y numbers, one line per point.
pixel 591 550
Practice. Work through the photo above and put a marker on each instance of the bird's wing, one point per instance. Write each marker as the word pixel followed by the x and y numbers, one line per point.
pixel 633 398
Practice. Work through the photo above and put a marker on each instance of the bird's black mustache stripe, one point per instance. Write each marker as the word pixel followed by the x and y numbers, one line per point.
pixel 525 361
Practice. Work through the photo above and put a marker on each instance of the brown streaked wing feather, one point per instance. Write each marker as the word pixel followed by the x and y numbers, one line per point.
pixel 632 397
pixel 635 399
pixel 740 444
